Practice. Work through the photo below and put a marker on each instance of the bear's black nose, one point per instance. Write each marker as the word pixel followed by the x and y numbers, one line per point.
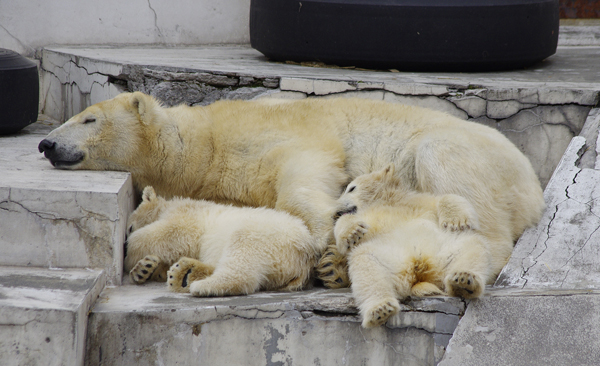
pixel 46 145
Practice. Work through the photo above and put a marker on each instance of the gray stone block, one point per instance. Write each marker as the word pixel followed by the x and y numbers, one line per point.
pixel 43 315
pixel 59 218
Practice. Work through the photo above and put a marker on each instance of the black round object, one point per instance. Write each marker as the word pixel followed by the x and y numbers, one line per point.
pixel 19 92
pixel 412 35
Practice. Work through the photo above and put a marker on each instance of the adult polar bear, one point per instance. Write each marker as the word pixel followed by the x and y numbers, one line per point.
pixel 297 156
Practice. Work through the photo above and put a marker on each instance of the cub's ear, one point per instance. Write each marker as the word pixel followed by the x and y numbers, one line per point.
pixel 143 104
pixel 148 195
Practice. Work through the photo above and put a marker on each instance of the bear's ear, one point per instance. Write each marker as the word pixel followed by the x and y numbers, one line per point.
pixel 148 195
pixel 142 104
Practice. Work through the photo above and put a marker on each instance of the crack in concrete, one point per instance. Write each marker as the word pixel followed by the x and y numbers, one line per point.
pixel 160 35
pixel 29 49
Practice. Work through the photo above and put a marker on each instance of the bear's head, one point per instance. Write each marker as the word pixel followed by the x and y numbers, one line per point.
pixel 368 188
pixel 148 210
pixel 108 135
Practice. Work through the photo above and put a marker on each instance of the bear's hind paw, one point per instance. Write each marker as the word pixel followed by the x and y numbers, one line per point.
pixel 465 285
pixel 379 314
pixel 332 269
pixel 144 268
pixel 186 271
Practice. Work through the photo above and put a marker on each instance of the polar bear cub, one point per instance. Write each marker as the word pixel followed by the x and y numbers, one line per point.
pixel 215 249
pixel 407 243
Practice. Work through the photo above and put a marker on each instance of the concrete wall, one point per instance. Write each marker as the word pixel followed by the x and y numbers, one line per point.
pixel 26 25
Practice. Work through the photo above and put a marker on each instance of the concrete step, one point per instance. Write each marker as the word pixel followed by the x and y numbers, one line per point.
pixel 44 313
pixel 58 218
pixel 540 108
pixel 132 325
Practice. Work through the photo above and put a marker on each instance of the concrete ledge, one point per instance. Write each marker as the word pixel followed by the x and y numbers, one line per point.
pixel 147 324
pixel 58 218
pixel 43 314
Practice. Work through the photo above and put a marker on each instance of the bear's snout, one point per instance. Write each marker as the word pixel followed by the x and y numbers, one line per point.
pixel 61 156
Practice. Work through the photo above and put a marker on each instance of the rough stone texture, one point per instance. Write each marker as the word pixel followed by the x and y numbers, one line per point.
pixel 540 109
pixel 147 324
pixel 43 315
pixel 72 218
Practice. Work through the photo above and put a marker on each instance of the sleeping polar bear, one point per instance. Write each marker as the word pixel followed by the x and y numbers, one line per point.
pixel 215 250
pixel 296 156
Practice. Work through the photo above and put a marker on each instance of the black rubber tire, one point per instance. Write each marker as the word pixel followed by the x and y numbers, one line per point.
pixel 19 92
pixel 411 35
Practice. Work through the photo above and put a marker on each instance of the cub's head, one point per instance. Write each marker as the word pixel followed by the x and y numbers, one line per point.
pixel 106 136
pixel 147 212
pixel 366 189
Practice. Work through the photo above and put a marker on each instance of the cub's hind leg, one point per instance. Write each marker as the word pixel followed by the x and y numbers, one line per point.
pixel 468 265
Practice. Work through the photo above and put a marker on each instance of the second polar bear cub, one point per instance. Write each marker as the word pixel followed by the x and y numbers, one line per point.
pixel 215 249
pixel 407 243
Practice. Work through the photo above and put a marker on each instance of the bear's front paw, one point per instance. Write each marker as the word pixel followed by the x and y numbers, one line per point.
pixel 144 269
pixel 186 271
pixel 456 214
pixel 380 313
pixel 351 237
pixel 465 285
pixel 332 269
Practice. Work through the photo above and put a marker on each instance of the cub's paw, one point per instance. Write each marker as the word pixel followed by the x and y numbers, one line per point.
pixel 455 213
pixel 332 269
pixel 349 235
pixel 144 269
pixel 380 313
pixel 186 271
pixel 465 285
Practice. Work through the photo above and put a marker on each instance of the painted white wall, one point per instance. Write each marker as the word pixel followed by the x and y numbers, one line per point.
pixel 26 25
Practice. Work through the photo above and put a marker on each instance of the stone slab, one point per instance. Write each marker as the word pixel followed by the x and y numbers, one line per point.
pixel 569 67
pixel 43 314
pixel 58 218
pixel 535 329
pixel 147 324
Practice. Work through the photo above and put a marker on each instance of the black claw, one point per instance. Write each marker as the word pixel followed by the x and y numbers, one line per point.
pixel 144 271
pixel 184 283
pixel 148 265
pixel 339 280
pixel 326 265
